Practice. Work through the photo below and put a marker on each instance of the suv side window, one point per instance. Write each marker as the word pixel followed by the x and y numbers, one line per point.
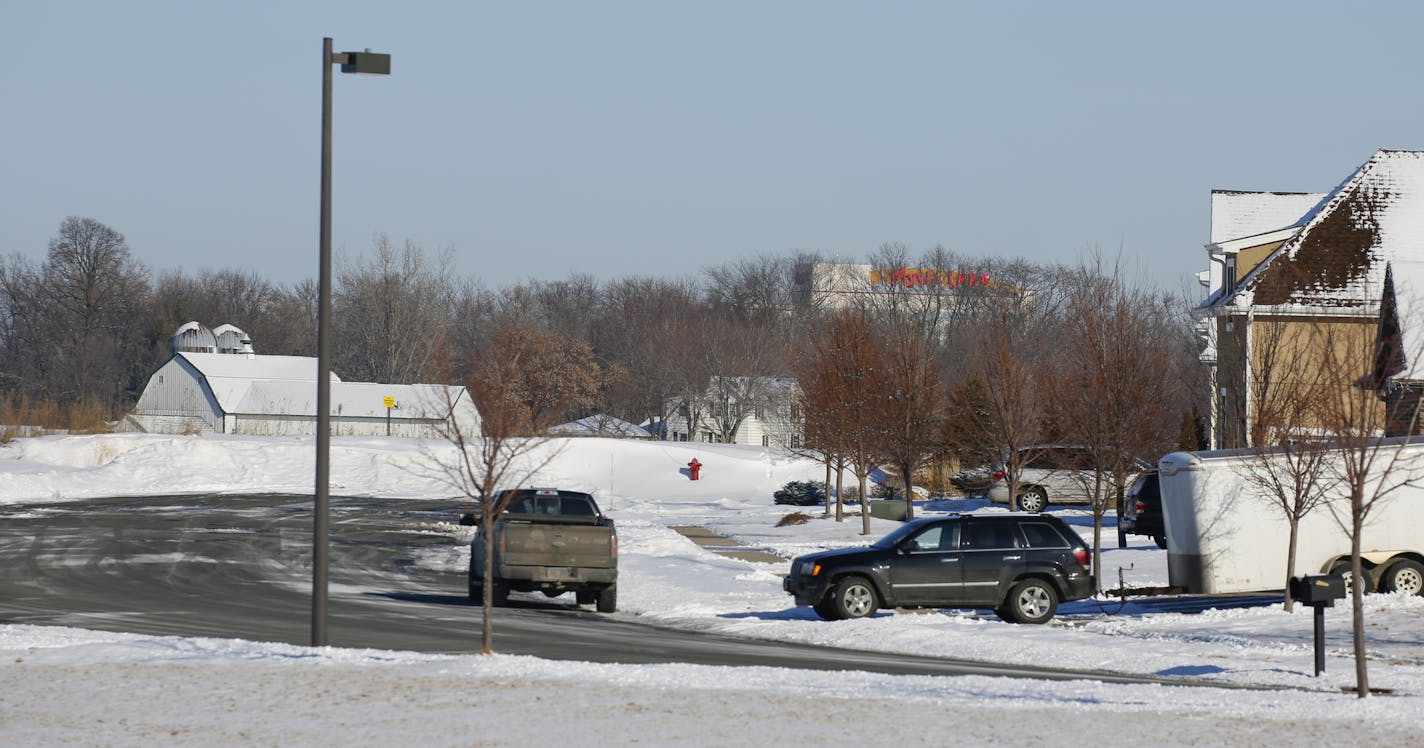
pixel 938 538
pixel 1043 535
pixel 988 534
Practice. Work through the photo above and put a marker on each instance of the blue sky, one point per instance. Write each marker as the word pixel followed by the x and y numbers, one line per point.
pixel 534 140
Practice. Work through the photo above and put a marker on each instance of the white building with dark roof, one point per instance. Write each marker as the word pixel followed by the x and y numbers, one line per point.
pixel 200 390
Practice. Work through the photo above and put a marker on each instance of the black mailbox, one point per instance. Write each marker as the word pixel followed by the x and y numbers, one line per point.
pixel 1320 591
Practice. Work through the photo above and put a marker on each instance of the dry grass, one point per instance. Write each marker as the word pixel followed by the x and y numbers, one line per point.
pixel 794 518
pixel 21 416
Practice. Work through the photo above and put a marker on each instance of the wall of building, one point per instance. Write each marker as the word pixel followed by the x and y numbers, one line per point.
pixel 174 398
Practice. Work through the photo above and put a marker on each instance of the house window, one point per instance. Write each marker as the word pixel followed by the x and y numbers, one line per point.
pixel 765 440
pixel 1230 282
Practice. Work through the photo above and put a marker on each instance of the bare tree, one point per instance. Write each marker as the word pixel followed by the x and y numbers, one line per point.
pixel 511 383
pixel 24 329
pixel 1010 365
pixel 391 313
pixel 842 382
pixel 1368 469
pixel 1291 389
pixel 1112 383
pixel 648 326
pixel 911 405
pixel 94 288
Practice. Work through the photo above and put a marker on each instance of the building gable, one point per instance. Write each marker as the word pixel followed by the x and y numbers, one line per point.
pixel 1337 258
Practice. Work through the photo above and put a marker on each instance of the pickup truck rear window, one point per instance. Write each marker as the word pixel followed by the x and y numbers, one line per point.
pixel 575 506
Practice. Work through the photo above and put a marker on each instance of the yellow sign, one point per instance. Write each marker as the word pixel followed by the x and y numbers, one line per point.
pixel 389 401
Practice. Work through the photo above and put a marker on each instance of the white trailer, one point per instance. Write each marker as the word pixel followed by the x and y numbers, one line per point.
pixel 1225 535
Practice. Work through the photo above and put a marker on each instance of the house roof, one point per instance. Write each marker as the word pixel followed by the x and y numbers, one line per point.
pixel 1337 258
pixel 600 424
pixel 286 385
pixel 1236 214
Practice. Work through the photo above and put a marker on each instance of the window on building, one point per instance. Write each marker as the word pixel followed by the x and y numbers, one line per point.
pixel 765 440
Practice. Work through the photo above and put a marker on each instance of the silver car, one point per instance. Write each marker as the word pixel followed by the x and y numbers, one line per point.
pixel 1052 474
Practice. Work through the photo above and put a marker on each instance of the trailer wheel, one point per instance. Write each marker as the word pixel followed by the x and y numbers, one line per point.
pixel 500 593
pixel 1404 575
pixel 585 597
pixel 1343 569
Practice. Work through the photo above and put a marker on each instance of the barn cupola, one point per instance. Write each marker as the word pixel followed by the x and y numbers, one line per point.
pixel 194 337
pixel 231 339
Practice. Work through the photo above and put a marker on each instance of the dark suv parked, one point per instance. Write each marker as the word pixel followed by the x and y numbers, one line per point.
pixel 1142 509
pixel 1020 565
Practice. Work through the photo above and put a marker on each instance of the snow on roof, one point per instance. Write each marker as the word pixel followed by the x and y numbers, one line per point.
pixel 1236 214
pixel 286 385
pixel 349 399
pixel 1338 257
pixel 292 368
pixel 600 424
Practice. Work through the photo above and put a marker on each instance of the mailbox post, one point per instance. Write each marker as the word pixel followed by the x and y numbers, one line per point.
pixel 1319 592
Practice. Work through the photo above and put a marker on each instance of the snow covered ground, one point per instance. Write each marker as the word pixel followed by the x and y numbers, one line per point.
pixel 73 686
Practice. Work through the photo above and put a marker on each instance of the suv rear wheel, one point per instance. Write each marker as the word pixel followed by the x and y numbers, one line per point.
pixel 1030 601
pixel 1033 499
pixel 854 597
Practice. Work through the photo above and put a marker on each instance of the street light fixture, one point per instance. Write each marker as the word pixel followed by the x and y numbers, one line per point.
pixel 350 62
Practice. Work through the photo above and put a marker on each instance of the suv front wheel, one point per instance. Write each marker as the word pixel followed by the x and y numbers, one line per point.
pixel 853 597
pixel 1030 601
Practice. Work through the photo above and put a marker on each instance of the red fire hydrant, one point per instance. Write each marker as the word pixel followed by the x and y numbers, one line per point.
pixel 694 469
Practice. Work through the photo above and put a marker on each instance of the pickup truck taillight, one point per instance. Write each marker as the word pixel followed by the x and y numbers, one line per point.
pixel 613 546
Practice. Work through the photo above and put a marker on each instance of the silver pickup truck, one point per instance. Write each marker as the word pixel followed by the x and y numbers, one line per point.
pixel 552 541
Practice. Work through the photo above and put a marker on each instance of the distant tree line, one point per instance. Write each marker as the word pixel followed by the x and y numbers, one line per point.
pixel 896 374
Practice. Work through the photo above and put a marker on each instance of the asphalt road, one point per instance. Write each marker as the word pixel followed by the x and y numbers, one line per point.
pixel 240 567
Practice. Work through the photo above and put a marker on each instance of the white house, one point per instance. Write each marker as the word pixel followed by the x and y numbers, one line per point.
pixel 739 410
pixel 215 383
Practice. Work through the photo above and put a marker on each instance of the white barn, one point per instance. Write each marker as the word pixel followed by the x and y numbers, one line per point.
pixel 215 383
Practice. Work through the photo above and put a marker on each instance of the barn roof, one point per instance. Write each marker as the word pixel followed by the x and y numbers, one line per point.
pixel 286 385
pixel 601 423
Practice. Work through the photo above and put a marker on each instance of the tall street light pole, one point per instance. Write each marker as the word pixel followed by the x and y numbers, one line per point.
pixel 350 62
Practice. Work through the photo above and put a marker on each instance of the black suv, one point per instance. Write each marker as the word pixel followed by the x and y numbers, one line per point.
pixel 1142 509
pixel 1020 565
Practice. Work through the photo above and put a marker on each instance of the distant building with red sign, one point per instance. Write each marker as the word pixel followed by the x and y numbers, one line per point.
pixel 836 285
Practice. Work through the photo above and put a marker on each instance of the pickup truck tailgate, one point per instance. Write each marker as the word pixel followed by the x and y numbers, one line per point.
pixel 558 545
